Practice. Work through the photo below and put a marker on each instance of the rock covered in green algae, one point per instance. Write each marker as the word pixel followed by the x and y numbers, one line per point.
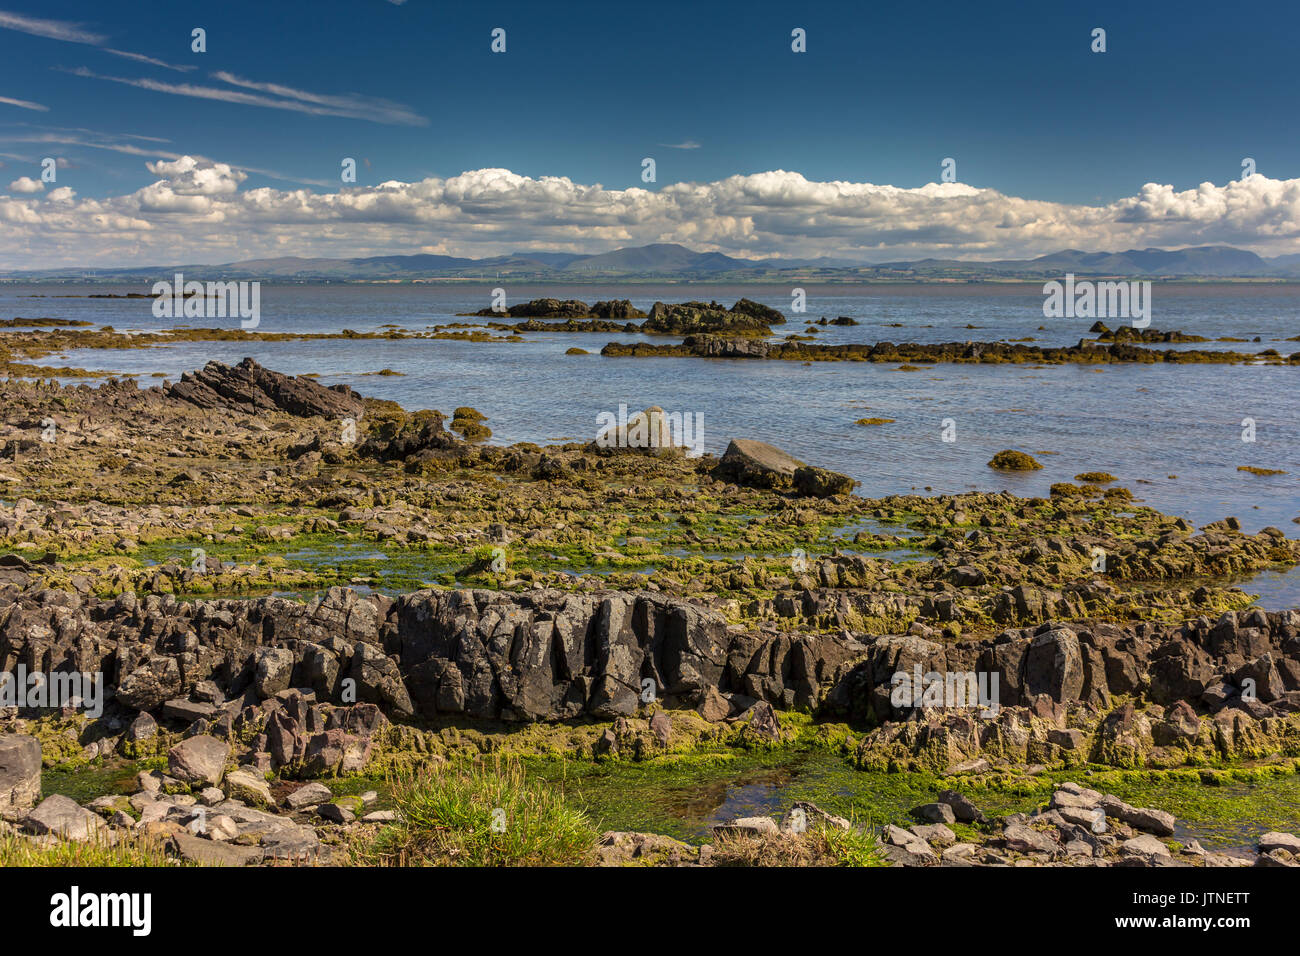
pixel 1011 460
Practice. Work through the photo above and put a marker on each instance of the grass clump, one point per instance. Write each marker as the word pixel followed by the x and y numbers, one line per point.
pixel 1096 477
pixel 1260 471
pixel 129 851
pixel 1010 460
pixel 824 845
pixel 874 421
pixel 480 815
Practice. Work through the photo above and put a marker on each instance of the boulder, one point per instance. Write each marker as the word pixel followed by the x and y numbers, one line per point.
pixel 1054 665
pixel 747 826
pixel 757 464
pixel 309 795
pixel 272 670
pixel 63 817
pixel 157 679
pixel 1274 840
pixel 143 727
pixel 198 760
pixel 336 752
pixel 962 808
pixel 935 813
pixel 248 787
pixel 20 771
pixel 1145 848
pixel 821 483
pixel 1158 822
pixel 1022 839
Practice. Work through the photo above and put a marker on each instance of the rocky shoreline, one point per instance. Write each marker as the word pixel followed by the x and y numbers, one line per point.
pixel 579 609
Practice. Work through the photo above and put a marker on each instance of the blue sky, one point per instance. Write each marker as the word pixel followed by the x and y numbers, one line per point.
pixel 585 91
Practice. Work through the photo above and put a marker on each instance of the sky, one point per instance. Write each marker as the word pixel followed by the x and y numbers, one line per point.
pixel 164 154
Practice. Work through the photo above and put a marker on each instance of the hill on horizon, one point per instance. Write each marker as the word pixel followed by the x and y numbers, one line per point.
pixel 669 260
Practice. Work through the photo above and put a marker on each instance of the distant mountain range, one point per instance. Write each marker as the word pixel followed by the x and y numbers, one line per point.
pixel 670 261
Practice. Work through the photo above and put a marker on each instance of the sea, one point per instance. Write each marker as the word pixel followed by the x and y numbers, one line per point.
pixel 1175 435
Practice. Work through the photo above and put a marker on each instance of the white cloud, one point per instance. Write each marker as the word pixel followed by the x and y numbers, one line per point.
pixel 25 184
pixel 74 33
pixel 349 105
pixel 50 29
pixel 24 104
pixel 198 210
pixel 188 176
pixel 152 61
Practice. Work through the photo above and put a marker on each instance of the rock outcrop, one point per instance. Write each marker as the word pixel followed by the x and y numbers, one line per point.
pixel 251 389
pixel 553 655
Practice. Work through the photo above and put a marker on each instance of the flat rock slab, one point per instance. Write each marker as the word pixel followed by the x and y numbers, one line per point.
pixel 1144 847
pixel 64 818
pixel 1280 841
pixel 751 462
pixel 1023 839
pixel 748 826
pixel 213 853
pixel 1140 818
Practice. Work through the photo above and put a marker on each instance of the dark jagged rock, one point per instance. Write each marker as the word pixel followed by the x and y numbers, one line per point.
pixel 252 389
pixel 616 309
pixel 821 483
pixel 543 309
pixel 745 318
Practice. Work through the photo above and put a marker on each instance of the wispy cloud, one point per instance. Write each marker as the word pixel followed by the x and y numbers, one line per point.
pixel 50 29
pixel 88 140
pixel 688 144
pixel 350 106
pixel 352 103
pixel 76 33
pixel 152 61
pixel 24 104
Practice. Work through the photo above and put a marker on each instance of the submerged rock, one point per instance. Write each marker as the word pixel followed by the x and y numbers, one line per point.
pixel 1011 460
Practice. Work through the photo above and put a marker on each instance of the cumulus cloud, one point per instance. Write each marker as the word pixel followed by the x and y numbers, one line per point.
pixel 188 176
pixel 197 210
pixel 25 184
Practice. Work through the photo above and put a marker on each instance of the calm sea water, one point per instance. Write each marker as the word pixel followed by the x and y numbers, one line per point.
pixel 1171 434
